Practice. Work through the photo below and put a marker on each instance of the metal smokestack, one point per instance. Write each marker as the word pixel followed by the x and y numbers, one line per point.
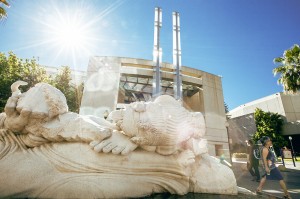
pixel 157 53
pixel 177 57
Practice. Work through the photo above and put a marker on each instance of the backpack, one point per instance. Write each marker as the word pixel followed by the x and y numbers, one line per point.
pixel 257 150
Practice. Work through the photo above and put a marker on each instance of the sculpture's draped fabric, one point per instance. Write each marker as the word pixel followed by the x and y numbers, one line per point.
pixel 75 170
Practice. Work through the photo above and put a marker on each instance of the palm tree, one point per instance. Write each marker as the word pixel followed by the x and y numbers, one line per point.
pixel 3 13
pixel 289 69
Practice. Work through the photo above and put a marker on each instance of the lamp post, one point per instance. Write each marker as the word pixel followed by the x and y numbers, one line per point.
pixel 290 138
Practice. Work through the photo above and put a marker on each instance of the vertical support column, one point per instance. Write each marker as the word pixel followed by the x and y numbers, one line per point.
pixel 177 57
pixel 101 88
pixel 157 53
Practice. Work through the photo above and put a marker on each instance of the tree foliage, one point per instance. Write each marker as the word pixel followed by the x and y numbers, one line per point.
pixel 289 69
pixel 269 124
pixel 73 92
pixel 3 13
pixel 13 68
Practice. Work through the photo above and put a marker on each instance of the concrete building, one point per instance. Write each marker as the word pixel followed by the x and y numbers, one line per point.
pixel 113 82
pixel 242 124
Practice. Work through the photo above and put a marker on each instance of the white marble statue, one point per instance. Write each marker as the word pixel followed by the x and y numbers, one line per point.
pixel 152 147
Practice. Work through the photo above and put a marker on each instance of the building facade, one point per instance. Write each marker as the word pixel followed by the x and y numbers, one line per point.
pixel 113 82
pixel 242 124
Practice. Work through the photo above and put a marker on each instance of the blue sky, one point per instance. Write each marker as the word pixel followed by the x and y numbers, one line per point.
pixel 237 39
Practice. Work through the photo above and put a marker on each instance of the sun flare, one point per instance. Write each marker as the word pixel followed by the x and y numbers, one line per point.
pixel 70 35
pixel 68 32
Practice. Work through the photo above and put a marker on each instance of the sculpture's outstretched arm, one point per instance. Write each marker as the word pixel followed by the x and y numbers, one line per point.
pixel 69 127
pixel 40 122
pixel 73 127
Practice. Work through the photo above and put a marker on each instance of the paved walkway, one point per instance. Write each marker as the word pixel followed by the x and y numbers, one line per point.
pixel 272 188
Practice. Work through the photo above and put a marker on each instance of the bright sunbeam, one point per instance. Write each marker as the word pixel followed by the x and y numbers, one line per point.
pixel 70 35
pixel 67 31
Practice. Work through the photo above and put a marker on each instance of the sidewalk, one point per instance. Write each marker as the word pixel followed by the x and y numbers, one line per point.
pixel 272 188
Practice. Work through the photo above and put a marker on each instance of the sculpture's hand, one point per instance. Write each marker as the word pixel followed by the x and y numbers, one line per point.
pixel 15 121
pixel 117 144
pixel 11 104
pixel 20 121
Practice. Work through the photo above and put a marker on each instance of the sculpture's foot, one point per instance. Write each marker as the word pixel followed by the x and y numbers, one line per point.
pixel 186 158
pixel 117 144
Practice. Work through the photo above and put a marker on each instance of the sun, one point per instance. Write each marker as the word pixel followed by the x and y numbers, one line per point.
pixel 70 35
pixel 68 32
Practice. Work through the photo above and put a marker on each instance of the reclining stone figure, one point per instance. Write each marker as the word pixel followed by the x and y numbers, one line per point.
pixel 46 151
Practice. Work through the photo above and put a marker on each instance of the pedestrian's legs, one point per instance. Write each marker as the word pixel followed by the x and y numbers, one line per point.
pixel 256 172
pixel 261 184
pixel 249 167
pixel 283 186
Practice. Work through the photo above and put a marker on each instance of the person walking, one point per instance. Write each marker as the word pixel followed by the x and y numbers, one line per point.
pixel 271 172
pixel 252 163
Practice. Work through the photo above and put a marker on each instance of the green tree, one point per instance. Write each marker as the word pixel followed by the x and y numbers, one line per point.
pixel 269 124
pixel 3 13
pixel 12 69
pixel 73 92
pixel 289 69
